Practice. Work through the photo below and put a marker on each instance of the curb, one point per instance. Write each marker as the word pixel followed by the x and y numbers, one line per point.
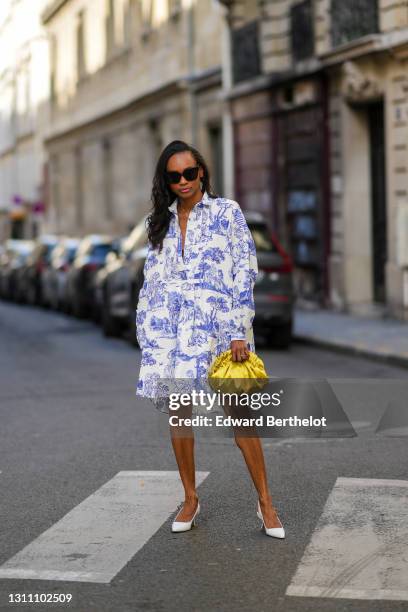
pixel 349 349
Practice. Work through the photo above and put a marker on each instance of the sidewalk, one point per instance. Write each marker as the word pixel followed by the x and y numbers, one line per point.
pixel 380 339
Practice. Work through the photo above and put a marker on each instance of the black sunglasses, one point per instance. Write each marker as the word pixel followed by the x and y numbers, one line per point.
pixel 190 174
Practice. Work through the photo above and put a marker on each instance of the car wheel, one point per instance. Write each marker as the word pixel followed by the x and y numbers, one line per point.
pixel 38 299
pixel 78 309
pixel 13 296
pixel 96 314
pixel 31 294
pixel 281 337
pixel 19 295
pixel 54 302
pixel 110 326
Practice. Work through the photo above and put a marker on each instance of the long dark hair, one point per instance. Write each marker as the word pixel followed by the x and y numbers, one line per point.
pixel 162 197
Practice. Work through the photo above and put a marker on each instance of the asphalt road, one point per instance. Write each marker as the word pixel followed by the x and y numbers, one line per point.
pixel 70 422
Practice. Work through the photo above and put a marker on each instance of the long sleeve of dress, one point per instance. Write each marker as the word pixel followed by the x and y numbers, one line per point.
pixel 244 272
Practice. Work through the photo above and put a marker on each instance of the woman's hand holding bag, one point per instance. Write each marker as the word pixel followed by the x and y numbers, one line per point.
pixel 231 376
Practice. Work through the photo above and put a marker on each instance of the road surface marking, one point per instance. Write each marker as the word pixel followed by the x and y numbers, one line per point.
pixel 359 547
pixel 98 537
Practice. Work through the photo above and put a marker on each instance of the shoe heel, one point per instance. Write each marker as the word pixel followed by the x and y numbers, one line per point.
pixel 276 532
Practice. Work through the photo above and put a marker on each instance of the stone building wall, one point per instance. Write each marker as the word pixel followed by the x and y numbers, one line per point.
pixel 363 65
pixel 23 98
pixel 126 105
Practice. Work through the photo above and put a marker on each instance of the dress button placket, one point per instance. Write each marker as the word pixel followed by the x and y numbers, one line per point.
pixel 180 260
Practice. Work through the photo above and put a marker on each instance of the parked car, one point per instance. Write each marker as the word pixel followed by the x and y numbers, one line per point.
pixel 19 263
pixel 89 258
pixel 2 259
pixel 115 252
pixel 119 282
pixel 122 279
pixel 274 290
pixel 5 259
pixel 38 260
pixel 12 262
pixel 54 279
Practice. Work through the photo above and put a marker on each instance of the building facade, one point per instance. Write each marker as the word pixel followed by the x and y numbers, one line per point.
pixel 126 78
pixel 23 116
pixel 318 98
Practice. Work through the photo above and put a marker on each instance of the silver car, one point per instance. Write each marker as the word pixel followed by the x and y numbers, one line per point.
pixel 55 277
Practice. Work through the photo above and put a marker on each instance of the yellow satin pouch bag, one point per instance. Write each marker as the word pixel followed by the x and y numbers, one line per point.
pixel 237 376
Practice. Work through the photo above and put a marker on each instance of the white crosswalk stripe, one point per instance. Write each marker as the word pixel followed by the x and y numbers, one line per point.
pixel 359 547
pixel 99 536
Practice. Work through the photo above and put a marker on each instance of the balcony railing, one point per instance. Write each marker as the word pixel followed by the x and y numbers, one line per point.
pixel 301 30
pixel 246 61
pixel 351 19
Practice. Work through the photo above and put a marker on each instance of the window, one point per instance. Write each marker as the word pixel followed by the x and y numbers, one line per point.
pixel 53 67
pixel 99 251
pixel 17 229
pixel 107 178
pixel 118 26
pixel 80 46
pixel 79 186
pixel 174 8
pixel 56 195
pixel 70 254
pixel 215 138
pixel 301 30
pixel 245 51
pixel 127 23
pixel 262 239
pixel 110 27
pixel 147 16
pixel 352 19
pixel 23 90
pixel 155 136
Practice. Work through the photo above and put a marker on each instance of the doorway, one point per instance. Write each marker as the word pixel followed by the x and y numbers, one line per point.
pixel 216 148
pixel 378 199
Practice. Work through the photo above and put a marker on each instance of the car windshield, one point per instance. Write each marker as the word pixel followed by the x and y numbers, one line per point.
pixel 71 252
pixel 21 256
pixel 99 251
pixel 262 238
pixel 47 252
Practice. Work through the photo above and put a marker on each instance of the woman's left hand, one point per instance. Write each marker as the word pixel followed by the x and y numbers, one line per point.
pixel 239 350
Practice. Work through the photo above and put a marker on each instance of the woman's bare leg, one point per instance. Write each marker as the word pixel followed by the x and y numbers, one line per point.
pixel 252 451
pixel 182 439
pixel 248 442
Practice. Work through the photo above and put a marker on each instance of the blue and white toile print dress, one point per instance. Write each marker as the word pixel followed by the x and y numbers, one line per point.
pixel 191 307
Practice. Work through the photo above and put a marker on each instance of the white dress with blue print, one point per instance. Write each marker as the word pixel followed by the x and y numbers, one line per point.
pixel 191 306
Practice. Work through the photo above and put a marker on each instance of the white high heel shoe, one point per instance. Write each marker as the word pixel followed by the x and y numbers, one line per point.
pixel 275 532
pixel 185 525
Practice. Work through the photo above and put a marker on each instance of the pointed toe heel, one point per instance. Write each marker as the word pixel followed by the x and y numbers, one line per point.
pixel 178 526
pixel 274 532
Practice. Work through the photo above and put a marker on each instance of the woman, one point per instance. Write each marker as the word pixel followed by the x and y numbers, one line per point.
pixel 195 303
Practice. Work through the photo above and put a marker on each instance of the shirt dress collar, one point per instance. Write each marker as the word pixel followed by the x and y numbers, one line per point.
pixel 204 200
